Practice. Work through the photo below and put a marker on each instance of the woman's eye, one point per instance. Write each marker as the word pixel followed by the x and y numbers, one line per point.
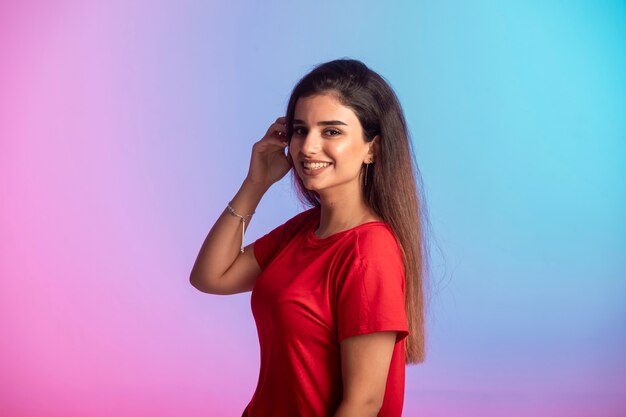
pixel 302 131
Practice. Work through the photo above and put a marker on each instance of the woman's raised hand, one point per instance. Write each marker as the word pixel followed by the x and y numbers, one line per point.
pixel 268 162
pixel 222 266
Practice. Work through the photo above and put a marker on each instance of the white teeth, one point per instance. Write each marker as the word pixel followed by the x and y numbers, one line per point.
pixel 316 165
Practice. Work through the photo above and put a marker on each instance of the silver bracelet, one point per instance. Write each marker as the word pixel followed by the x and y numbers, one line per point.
pixel 243 219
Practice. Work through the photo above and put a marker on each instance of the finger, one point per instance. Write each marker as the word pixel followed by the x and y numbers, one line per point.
pixel 274 141
pixel 277 129
pixel 281 124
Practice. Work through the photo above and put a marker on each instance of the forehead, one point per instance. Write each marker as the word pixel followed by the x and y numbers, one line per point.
pixel 323 107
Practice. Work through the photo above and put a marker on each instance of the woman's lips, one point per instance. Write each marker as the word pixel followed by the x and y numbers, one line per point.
pixel 314 168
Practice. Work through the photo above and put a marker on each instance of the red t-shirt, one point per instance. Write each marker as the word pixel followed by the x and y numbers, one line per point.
pixel 311 294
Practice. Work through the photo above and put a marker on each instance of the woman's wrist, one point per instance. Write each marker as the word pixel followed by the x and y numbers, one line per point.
pixel 255 187
pixel 248 197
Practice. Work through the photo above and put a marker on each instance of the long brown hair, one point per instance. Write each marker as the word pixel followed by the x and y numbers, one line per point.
pixel 390 188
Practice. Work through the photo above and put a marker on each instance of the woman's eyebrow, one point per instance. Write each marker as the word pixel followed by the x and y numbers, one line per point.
pixel 322 123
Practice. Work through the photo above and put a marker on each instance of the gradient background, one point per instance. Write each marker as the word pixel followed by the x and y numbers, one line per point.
pixel 125 128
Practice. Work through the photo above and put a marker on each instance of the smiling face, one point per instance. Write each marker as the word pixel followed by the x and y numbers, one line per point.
pixel 327 145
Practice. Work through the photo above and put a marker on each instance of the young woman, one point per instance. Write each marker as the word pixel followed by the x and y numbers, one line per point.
pixel 338 290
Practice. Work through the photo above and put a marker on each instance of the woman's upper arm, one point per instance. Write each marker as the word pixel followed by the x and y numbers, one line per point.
pixel 240 276
pixel 365 361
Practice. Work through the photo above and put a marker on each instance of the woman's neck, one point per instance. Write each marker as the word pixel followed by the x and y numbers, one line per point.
pixel 339 214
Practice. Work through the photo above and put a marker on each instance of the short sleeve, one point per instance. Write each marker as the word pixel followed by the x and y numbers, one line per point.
pixel 371 291
pixel 266 247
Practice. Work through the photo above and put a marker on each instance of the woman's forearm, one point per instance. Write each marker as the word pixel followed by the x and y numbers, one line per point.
pixel 223 242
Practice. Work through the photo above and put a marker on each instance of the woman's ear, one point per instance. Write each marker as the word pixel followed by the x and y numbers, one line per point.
pixel 374 149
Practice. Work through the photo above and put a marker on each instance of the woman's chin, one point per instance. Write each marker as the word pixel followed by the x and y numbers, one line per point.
pixel 310 186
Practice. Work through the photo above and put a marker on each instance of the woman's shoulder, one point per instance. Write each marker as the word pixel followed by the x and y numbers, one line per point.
pixel 372 249
pixel 376 239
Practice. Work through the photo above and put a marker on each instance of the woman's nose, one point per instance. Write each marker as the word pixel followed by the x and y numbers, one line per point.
pixel 310 144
